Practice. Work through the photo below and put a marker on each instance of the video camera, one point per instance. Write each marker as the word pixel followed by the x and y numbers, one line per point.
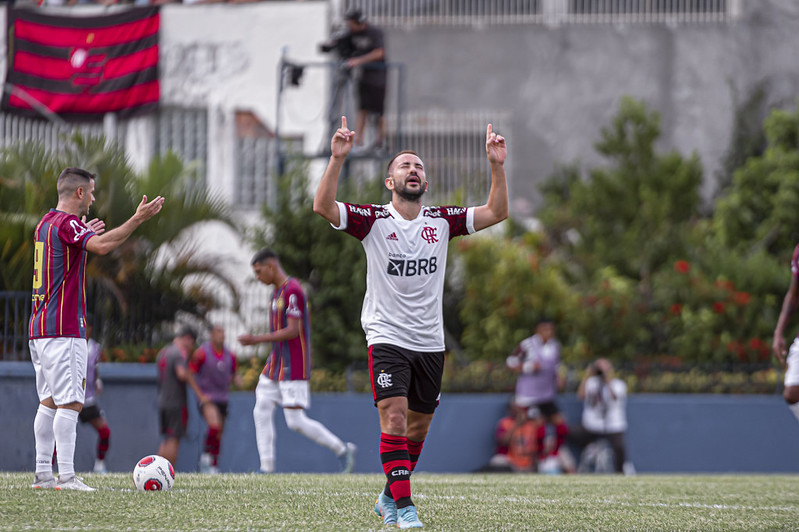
pixel 339 43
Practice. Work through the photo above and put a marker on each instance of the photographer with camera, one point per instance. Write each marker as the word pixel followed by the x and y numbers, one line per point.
pixel 604 411
pixel 361 48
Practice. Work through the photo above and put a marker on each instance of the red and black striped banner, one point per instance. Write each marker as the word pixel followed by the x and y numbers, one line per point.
pixel 81 68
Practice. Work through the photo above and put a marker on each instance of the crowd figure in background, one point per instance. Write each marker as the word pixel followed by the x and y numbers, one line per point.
pixel 406 254
pixel 604 414
pixel 284 380
pixel 213 366
pixel 57 330
pixel 537 361
pixel 789 359
pixel 91 412
pixel 173 375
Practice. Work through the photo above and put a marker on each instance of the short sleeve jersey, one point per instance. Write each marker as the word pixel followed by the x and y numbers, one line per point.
pixel 214 370
pixel 289 360
pixel 601 412
pixel 58 306
pixel 405 267
pixel 171 390
pixel 363 42
pixel 542 385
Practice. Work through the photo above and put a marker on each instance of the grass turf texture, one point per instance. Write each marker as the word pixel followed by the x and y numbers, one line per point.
pixel 446 502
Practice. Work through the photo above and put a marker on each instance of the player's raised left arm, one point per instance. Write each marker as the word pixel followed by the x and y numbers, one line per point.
pixel 496 208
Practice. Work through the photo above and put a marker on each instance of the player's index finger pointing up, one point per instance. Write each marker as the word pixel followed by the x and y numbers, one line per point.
pixel 489 130
pixel 344 122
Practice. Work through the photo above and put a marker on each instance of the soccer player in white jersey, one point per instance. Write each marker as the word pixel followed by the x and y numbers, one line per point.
pixel 789 359
pixel 406 254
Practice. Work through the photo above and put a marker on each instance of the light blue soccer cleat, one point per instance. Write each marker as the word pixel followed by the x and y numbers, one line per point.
pixel 386 508
pixel 407 518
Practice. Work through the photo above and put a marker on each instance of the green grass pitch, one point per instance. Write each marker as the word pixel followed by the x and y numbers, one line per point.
pixel 474 502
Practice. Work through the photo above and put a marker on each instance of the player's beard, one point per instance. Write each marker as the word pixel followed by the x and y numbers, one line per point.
pixel 411 195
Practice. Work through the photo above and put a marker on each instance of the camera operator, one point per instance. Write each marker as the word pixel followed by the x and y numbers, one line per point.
pixel 604 411
pixel 361 47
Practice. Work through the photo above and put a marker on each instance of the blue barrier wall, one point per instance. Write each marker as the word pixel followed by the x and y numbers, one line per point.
pixel 668 433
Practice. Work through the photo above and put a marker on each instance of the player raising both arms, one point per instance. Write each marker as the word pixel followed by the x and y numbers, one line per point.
pixel 406 253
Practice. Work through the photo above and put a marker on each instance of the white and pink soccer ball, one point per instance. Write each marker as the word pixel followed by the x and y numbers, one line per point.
pixel 153 473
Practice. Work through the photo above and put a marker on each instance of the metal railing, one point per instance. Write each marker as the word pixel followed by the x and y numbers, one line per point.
pixel 401 13
pixel 452 146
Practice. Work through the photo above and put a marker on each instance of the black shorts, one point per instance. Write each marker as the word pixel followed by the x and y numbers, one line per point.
pixel 371 98
pixel 89 413
pixel 173 422
pixel 398 372
pixel 220 405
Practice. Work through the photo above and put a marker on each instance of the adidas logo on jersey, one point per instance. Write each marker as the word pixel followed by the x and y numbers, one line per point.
pixel 392 236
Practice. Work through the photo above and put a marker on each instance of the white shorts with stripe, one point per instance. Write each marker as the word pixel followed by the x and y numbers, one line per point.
pixel 792 373
pixel 285 393
pixel 60 367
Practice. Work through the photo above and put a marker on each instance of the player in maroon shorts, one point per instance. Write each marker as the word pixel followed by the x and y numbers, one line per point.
pixel 58 317
pixel 214 368
pixel 406 254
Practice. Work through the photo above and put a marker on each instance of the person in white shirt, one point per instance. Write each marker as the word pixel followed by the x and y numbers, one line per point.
pixel 604 411
pixel 406 254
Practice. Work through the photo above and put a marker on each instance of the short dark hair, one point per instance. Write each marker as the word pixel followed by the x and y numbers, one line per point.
pixel 263 255
pixel 403 152
pixel 70 179
pixel 356 15
pixel 187 331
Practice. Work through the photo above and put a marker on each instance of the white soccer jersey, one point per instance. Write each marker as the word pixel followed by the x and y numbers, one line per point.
pixel 405 266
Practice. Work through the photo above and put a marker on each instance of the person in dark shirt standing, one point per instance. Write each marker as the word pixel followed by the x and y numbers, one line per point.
pixel 173 374
pixel 369 54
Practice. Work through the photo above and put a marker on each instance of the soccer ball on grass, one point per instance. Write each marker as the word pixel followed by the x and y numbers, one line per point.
pixel 153 473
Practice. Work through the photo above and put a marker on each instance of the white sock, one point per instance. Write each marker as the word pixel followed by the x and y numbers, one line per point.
pixel 263 415
pixel 45 440
pixel 65 429
pixel 795 409
pixel 313 430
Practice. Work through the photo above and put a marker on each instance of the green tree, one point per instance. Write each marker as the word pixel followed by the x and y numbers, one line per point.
pixel 148 279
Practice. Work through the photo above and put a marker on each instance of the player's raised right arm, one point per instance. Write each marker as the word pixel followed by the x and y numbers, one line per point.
pixel 324 203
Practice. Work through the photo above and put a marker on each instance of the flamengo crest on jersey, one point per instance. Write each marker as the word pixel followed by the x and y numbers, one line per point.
pixel 405 266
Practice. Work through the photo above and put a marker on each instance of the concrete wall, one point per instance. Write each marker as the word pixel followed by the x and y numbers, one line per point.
pixel 668 433
pixel 562 84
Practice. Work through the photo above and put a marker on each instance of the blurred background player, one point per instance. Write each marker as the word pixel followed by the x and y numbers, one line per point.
pixel 789 359
pixel 91 412
pixel 537 360
pixel 604 411
pixel 173 375
pixel 284 381
pixel 214 368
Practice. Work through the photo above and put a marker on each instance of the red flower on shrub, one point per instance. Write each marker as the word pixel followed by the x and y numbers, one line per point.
pixel 726 285
pixel 676 309
pixel 741 298
pixel 718 307
pixel 682 266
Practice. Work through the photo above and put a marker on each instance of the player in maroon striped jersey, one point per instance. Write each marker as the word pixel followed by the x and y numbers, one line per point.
pixel 58 317
pixel 284 380
pixel 406 254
